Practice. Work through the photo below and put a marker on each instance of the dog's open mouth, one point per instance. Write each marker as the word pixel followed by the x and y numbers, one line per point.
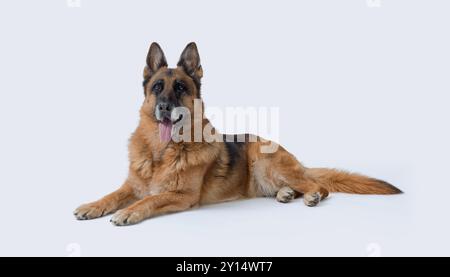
pixel 165 128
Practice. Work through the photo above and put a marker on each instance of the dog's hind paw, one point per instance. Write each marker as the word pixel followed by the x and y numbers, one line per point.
pixel 311 199
pixel 285 195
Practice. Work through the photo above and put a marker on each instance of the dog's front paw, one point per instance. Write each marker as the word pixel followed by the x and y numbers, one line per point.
pixel 127 217
pixel 89 211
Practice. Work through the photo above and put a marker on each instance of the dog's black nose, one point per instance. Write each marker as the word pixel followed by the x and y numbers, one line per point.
pixel 165 107
pixel 164 110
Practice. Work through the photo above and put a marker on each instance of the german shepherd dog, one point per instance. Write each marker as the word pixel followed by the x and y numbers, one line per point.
pixel 167 176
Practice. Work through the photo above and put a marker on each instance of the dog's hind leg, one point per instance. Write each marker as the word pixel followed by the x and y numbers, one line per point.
pixel 312 192
pixel 280 173
pixel 285 194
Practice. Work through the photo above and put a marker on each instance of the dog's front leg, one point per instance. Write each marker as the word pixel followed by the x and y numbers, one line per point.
pixel 154 205
pixel 118 199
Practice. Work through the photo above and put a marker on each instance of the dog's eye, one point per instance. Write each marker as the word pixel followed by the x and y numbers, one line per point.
pixel 179 87
pixel 158 87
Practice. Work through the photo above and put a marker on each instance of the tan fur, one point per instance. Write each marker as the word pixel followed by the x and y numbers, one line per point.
pixel 167 177
pixel 341 181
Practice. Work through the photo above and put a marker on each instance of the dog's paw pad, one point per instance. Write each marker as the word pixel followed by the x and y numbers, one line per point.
pixel 311 199
pixel 285 195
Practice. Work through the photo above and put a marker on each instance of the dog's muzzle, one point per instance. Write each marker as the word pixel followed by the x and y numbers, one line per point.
pixel 163 111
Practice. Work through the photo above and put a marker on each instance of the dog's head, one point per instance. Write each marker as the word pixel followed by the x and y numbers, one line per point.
pixel 167 89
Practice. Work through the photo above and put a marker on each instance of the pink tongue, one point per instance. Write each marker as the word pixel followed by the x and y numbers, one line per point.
pixel 165 131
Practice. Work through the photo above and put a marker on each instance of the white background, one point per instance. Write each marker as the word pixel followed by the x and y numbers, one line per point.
pixel 359 87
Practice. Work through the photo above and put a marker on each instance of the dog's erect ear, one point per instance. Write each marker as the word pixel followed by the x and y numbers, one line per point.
pixel 155 60
pixel 190 61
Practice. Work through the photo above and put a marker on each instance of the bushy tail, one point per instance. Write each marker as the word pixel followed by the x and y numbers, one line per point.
pixel 341 181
